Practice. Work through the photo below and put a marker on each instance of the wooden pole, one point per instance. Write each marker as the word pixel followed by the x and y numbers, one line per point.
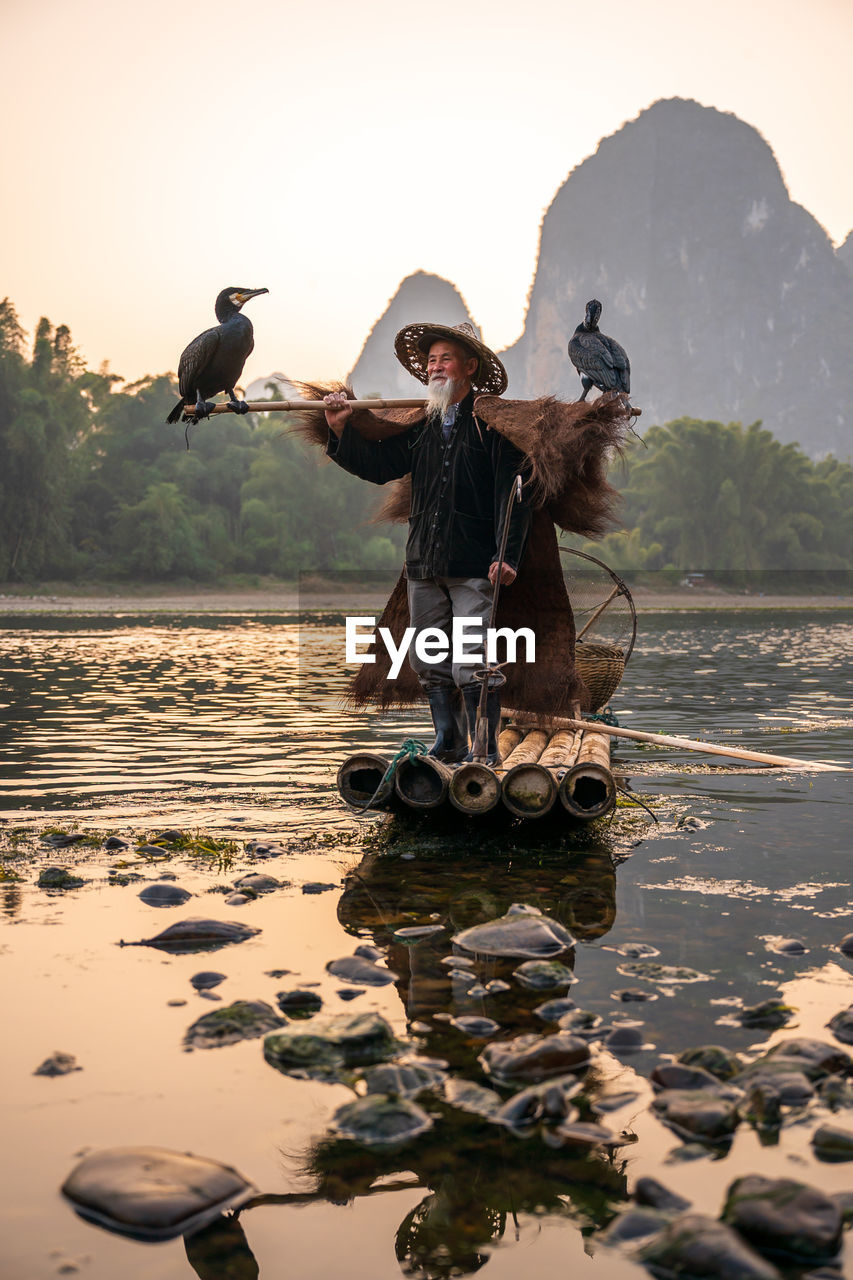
pixel 667 740
pixel 299 406
pixel 615 592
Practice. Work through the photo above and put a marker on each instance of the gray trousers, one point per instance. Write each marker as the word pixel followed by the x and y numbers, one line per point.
pixel 435 602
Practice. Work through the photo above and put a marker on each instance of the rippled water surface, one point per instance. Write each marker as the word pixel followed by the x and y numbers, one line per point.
pixel 234 727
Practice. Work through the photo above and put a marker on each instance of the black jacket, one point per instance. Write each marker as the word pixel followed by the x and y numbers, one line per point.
pixel 459 491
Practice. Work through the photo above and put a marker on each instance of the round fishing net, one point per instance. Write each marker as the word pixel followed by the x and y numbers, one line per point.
pixel 605 622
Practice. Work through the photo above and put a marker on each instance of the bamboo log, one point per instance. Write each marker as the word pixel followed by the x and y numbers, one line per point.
pixel 422 782
pixel 587 790
pixel 300 406
pixel 689 744
pixel 509 739
pixel 562 749
pixel 359 778
pixel 474 788
pixel 528 750
pixel 529 790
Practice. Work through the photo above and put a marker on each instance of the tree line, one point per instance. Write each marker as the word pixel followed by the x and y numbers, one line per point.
pixel 94 485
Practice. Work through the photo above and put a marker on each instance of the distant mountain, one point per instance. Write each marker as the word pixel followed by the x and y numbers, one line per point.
pixel 421 296
pixel 282 388
pixel 728 297
pixel 845 252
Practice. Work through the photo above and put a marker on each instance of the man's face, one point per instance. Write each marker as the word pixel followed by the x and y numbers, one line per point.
pixel 447 362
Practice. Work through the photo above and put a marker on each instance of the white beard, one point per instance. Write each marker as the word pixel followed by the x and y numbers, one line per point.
pixel 440 396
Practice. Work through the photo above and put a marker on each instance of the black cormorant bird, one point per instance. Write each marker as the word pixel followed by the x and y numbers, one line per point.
pixel 599 360
pixel 214 360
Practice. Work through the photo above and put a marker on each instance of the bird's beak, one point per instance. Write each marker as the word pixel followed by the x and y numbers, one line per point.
pixel 250 293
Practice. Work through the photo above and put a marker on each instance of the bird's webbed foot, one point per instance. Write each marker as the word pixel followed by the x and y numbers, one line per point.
pixel 238 406
pixel 202 409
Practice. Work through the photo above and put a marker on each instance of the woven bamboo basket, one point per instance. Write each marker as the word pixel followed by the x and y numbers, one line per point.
pixel 601 667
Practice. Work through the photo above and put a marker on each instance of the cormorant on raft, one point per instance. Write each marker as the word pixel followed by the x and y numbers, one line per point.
pixel 213 361
pixel 599 360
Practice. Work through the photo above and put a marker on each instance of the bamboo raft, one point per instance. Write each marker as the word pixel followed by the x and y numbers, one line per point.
pixel 543 770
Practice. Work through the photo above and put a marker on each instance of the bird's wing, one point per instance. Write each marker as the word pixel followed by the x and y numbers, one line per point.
pixel 619 363
pixel 589 355
pixel 194 360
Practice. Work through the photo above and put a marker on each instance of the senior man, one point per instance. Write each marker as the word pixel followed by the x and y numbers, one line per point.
pixel 462 478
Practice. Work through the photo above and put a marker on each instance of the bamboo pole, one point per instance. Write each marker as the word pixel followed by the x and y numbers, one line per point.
pixel 529 749
pixel 599 611
pixel 588 790
pixel 529 790
pixel 474 788
pixel 300 406
pixel 509 739
pixel 667 740
pixel 562 750
pixel 422 782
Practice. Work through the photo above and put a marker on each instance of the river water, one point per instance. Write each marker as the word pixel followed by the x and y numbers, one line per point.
pixel 234 727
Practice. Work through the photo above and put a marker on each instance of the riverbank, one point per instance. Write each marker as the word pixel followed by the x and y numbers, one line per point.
pixel 287 598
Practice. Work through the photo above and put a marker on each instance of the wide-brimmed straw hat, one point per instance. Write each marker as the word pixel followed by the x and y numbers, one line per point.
pixel 412 346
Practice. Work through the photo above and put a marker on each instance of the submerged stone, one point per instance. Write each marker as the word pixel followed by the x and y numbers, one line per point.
pixel 694 1246
pixel 58 1064
pixel 836 1093
pixel 475 1027
pixel 543 975
pixel 830 1142
pixel 339 1042
pixel 576 1133
pixel 814 1058
pixel 781 1216
pixel 534 1058
pixel 242 1020
pixel 298 1003
pixel 841 1026
pixel 769 1014
pixel 787 946
pixel 721 1062
pixel 653 1194
pixel 58 878
pixel 780 1079
pixel 380 1121
pixel 666 974
pixel 402 1079
pixel 472 1098
pixel 206 979
pixel 164 895
pixel 197 934
pixel 698 1114
pixel 258 883
pixel 150 1193
pixel 630 995
pixel 637 950
pixel 554 1010
pixel 360 972
pixel 634 1224
pixel 846 944
pixel 626 1038
pixel 676 1075
pixel 417 932
pixel 522 932
pixel 540 1104
pixel 239 899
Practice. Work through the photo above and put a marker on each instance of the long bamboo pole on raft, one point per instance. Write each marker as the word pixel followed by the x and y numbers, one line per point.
pixel 667 740
pixel 298 406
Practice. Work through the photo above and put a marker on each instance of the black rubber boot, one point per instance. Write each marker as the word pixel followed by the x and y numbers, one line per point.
pixel 493 720
pixel 448 717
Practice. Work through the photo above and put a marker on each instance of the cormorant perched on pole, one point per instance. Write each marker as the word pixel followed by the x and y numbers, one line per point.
pixel 599 360
pixel 214 360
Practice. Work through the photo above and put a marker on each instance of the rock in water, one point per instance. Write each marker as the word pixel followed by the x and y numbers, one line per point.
pixel 721 1062
pixel 332 1046
pixel 532 1058
pixel 522 932
pixel 697 1115
pixel 242 1020
pixel 360 972
pixel 197 934
pixel 402 1079
pixel 150 1193
pixel 380 1121
pixel 778 1215
pixel 259 883
pixel 841 1026
pixel 164 895
pixel 830 1142
pixel 58 878
pixel 694 1246
pixel 543 975
pixel 206 979
pixel 58 1064
pixel 298 1003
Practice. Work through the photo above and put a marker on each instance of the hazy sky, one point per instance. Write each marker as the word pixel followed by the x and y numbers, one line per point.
pixel 156 152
